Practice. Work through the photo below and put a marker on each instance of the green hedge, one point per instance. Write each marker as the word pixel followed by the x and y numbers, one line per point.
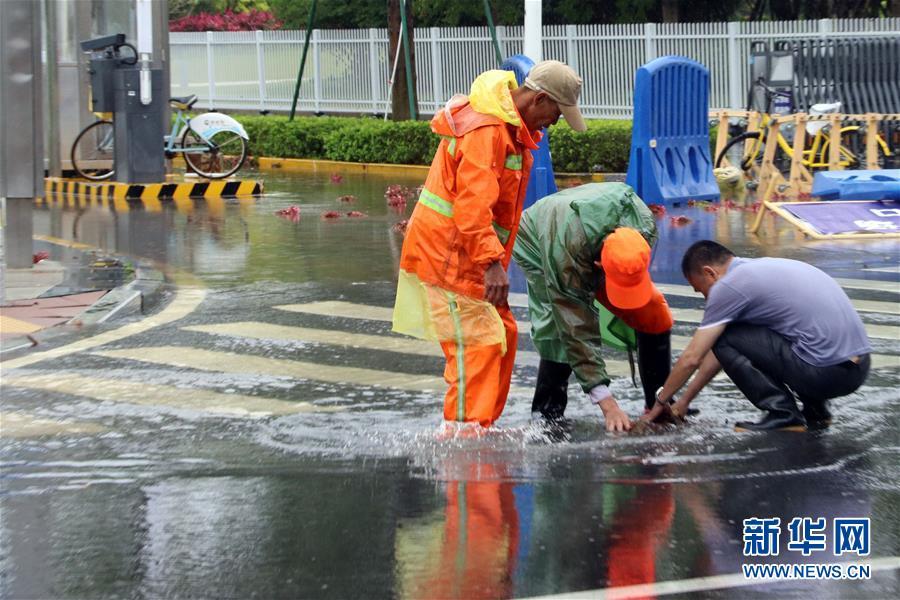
pixel 604 147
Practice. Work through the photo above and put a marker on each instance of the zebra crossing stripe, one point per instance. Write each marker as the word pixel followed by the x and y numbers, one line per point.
pixel 229 362
pixel 133 392
pixel 873 306
pixel 349 310
pixel 872 285
pixel 285 333
pixel 185 301
pixel 16 424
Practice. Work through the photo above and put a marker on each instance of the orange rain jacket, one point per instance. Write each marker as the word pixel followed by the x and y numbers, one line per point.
pixel 468 213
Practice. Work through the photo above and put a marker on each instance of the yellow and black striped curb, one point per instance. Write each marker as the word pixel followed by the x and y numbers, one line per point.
pixel 215 206
pixel 315 165
pixel 56 186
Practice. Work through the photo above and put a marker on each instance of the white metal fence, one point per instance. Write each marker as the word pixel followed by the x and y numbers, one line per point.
pixel 348 70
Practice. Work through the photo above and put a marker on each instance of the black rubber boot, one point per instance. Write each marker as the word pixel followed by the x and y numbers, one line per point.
pixel 764 392
pixel 551 391
pixel 654 362
pixel 816 413
pixel 773 421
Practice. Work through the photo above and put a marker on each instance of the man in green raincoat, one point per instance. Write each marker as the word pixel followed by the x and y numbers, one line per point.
pixel 585 252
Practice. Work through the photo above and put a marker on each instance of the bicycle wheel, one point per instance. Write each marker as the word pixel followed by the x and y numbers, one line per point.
pixel 748 157
pixel 92 152
pixel 224 155
pixel 853 146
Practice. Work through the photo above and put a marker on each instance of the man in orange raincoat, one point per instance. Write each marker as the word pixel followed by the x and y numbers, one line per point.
pixel 453 283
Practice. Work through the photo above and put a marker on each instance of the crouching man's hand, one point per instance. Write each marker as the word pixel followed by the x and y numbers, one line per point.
pixel 664 412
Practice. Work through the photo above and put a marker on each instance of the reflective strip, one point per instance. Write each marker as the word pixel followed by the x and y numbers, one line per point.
pixel 514 162
pixel 441 206
pixel 436 203
pixel 451 145
pixel 462 547
pixel 502 233
pixel 460 360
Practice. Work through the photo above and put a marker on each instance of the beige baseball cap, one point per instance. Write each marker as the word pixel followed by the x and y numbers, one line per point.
pixel 563 85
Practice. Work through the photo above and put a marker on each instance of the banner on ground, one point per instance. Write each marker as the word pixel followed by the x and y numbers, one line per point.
pixel 830 218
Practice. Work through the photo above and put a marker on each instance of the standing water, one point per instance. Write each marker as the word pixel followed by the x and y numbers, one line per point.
pixel 278 441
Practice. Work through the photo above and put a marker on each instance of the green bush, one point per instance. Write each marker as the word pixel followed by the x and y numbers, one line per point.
pixel 404 143
pixel 604 147
pixel 304 137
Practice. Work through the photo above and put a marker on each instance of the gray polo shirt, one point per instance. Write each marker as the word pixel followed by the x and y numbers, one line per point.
pixel 794 299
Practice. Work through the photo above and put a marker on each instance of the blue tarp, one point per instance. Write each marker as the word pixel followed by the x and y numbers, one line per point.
pixel 881 184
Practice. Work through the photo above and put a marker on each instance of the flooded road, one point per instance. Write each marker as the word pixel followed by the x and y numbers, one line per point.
pixel 263 434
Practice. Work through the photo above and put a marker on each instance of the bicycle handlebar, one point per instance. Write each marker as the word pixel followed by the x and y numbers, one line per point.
pixel 761 83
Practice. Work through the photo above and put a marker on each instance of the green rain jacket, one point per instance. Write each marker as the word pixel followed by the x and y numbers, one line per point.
pixel 559 240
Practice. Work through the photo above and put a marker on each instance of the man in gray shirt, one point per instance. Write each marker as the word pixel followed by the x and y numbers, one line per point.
pixel 780 328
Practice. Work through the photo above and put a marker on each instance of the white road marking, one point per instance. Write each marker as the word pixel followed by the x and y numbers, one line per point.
pixel 269 331
pixel 869 284
pixel 698 584
pixel 132 392
pixel 185 301
pixel 22 425
pixel 229 362
pixel 350 310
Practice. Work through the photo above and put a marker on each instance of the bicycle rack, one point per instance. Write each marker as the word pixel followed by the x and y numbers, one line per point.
pixel 800 178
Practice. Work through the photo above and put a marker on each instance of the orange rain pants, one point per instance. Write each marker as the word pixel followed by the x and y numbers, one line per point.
pixel 479 388
pixel 637 535
pixel 480 542
pixel 467 218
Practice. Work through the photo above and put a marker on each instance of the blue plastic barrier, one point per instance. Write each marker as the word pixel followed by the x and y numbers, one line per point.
pixel 670 161
pixel 881 184
pixel 541 181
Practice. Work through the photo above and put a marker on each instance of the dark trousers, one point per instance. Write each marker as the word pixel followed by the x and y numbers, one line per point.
pixel 763 366
pixel 654 364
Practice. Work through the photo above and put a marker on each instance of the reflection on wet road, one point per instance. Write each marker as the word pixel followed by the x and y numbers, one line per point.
pixel 273 438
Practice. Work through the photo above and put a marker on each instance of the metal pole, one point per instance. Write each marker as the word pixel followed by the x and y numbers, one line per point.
pixel 410 89
pixel 260 71
pixel 532 43
pixel 309 24
pixel 54 164
pixel 734 66
pixel 490 22
pixel 21 126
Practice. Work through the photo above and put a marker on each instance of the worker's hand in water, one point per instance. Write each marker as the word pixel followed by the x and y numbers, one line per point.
pixel 664 413
pixel 616 419
pixel 679 411
pixel 496 284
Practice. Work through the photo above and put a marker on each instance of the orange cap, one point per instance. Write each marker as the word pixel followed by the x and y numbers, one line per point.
pixel 625 259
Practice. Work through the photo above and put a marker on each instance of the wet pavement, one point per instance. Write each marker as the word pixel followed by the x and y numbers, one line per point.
pixel 263 434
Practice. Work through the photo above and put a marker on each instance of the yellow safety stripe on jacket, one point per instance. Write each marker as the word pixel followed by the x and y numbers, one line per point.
pixel 451 145
pixel 501 232
pixel 514 162
pixel 436 203
pixel 443 207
